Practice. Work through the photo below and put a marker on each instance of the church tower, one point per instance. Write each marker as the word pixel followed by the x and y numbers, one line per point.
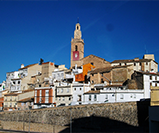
pixel 77 47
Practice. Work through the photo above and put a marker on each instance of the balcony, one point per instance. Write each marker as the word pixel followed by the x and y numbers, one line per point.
pixel 68 76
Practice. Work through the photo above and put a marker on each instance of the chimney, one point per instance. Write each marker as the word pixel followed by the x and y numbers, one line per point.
pixel 149 56
pixel 22 65
pixel 136 59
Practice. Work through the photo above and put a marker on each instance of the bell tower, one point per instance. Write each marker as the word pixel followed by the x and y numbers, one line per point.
pixel 77 47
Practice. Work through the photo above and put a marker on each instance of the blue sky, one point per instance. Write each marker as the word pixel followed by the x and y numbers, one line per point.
pixel 43 29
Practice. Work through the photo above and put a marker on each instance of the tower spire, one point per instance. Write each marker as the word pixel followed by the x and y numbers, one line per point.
pixel 78 20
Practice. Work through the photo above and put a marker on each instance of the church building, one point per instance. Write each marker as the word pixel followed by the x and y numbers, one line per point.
pixel 77 52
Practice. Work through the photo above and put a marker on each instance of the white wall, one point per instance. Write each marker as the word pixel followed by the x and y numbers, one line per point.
pixel 114 96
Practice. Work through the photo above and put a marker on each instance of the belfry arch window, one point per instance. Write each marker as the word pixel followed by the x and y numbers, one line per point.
pixel 76 48
pixel 77 27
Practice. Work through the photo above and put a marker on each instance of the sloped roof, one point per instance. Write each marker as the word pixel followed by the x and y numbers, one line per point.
pixel 106 69
pixel 27 66
pixel 92 92
pixel 131 60
pixel 30 99
pixel 12 94
pixel 93 56
pixel 113 86
pixel 148 73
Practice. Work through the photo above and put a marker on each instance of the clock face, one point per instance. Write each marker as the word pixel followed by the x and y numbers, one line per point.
pixel 75 55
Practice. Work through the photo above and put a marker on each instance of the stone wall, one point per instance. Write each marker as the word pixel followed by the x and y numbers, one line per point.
pixel 98 117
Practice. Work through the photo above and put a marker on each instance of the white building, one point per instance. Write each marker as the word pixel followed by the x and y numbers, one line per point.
pixel 112 93
pixel 2 86
pixel 147 79
pixel 78 91
pixel 13 81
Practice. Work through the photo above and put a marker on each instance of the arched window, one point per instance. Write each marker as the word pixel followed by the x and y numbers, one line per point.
pixel 76 48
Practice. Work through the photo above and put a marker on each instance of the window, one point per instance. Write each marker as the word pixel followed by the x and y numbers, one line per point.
pixel 57 90
pixel 106 96
pixel 76 48
pixel 134 64
pixel 35 92
pixel 92 81
pixel 134 95
pixel 150 77
pixel 131 96
pixel 79 97
pixel 125 63
pixel 120 64
pixel 69 98
pixel 13 82
pixel 39 85
pixel 47 93
pixel 63 98
pixel 74 88
pixel 89 97
pixel 18 82
pixel 92 74
pixel 146 63
pixel 67 90
pixel 40 92
pixel 150 84
pixel 80 89
pixel 95 97
pixel 92 63
pixel 121 96
pixel 155 84
pixel 61 90
pixel 62 74
pixel 102 81
pixel 155 77
pixel 59 98
pixel 54 76
pixel 40 99
pixel 140 63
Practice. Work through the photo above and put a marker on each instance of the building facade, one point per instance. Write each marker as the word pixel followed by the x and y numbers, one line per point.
pixel 147 64
pixel 44 97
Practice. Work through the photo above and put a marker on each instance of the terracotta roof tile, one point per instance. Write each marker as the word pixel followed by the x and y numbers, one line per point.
pixel 106 69
pixel 131 60
pixel 148 73
pixel 28 66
